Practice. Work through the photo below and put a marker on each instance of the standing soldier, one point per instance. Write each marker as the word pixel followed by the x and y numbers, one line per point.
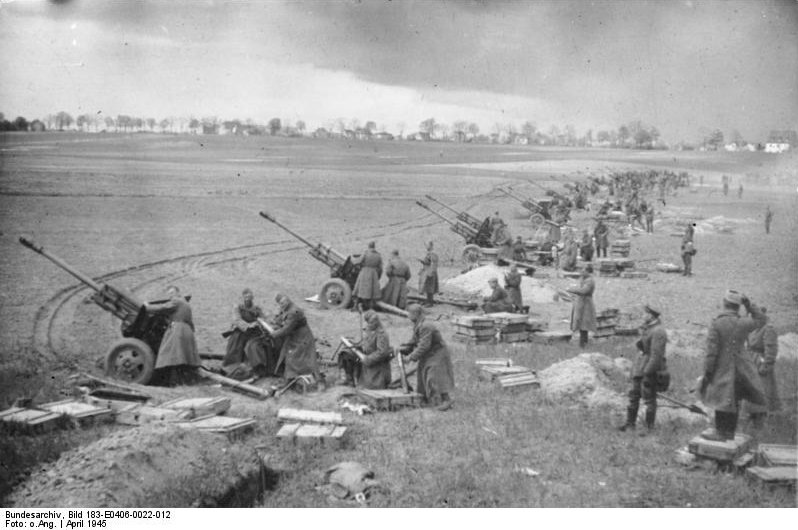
pixel 650 219
pixel 768 218
pixel 398 273
pixel 512 280
pixel 373 369
pixel 428 277
pixel 367 286
pixel 586 247
pixel 650 361
pixel 435 375
pixel 583 313
pixel 740 191
pixel 177 355
pixel 763 344
pixel 688 251
pixel 601 233
pixel 729 374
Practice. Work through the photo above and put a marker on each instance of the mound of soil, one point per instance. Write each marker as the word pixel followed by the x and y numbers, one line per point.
pixel 155 465
pixel 475 282
pixel 588 379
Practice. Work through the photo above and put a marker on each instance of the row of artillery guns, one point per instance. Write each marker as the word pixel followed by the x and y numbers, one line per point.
pixel 477 233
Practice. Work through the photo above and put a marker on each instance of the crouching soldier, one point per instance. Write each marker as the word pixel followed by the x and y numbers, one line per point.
pixel 435 375
pixel 370 366
pixel 649 363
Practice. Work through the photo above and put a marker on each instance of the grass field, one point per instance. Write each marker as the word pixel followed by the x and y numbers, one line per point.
pixel 143 211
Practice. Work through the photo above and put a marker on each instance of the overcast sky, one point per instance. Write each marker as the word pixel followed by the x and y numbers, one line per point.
pixel 682 65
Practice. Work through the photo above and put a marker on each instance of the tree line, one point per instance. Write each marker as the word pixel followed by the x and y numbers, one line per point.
pixel 635 134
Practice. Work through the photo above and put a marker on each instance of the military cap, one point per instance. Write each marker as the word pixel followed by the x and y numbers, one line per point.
pixel 654 310
pixel 733 297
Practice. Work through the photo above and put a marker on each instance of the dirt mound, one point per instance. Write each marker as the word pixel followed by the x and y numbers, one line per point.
pixel 475 282
pixel 589 379
pixel 154 465
pixel 721 225
pixel 788 346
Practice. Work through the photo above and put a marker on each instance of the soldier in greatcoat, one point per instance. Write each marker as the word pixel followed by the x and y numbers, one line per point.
pixel 247 343
pixel 569 255
pixel 367 286
pixel 519 250
pixel 435 375
pixel 498 301
pixel 763 347
pixel 428 277
pixel 398 274
pixel 729 373
pixel 512 281
pixel 601 233
pixel 298 351
pixel 373 371
pixel 178 350
pixel 650 360
pixel 768 218
pixel 583 312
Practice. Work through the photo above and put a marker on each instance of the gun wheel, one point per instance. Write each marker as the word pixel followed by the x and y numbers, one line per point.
pixel 335 293
pixel 130 360
pixel 537 220
pixel 472 254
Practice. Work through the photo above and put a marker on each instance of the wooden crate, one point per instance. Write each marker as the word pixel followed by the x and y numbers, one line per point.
pixel 777 455
pixel 309 435
pixel 773 476
pixel 491 373
pixel 143 414
pixel 551 336
pixel 494 362
pixel 390 398
pixel 626 331
pixel 604 333
pixel 536 324
pixel 610 312
pixel 233 428
pixel 723 451
pixel 459 337
pixel 504 319
pixel 82 414
pixel 473 321
pixel 517 336
pixel 634 275
pixel 527 380
pixel 309 416
pixel 200 406
pixel 116 405
pixel 30 421
pixel 479 333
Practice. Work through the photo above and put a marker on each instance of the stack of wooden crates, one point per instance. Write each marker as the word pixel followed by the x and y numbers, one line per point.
pixel 474 329
pixel 606 321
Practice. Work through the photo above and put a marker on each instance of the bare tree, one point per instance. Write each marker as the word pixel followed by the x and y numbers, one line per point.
pixel 427 126
pixel 473 130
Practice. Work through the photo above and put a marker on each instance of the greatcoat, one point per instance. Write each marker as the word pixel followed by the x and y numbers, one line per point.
pixel 367 285
pixel 395 291
pixel 498 301
pixel 763 344
pixel 178 347
pixel 512 280
pixel 375 371
pixel 729 371
pixel 298 351
pixel 241 345
pixel 583 312
pixel 651 346
pixel 428 277
pixel 435 375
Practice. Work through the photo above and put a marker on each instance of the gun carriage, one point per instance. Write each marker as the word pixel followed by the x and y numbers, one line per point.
pixel 477 235
pixel 132 358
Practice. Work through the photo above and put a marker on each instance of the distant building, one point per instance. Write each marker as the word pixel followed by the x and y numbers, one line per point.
pixel 383 136
pixel 781 141
pixel 321 132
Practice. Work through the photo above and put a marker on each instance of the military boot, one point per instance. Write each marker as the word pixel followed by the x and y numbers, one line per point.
pixel 651 416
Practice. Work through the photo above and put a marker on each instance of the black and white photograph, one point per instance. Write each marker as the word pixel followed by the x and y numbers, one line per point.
pixel 396 254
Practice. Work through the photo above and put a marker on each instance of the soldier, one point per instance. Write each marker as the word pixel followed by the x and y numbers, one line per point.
pixel 428 277
pixel 583 313
pixel 367 286
pixel 519 250
pixel 398 273
pixel 435 375
pixel 650 219
pixel 373 371
pixel 498 301
pixel 586 247
pixel 729 374
pixel 245 343
pixel 768 218
pixel 650 361
pixel 601 233
pixel 688 251
pixel 178 350
pixel 740 191
pixel 763 344
pixel 512 280
pixel 298 351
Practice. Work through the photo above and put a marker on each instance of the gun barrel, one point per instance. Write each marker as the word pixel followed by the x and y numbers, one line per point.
pixel 61 263
pixel 323 249
pixel 433 199
pixel 437 214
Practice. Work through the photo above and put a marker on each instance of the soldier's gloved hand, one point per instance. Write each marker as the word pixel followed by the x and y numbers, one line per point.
pixel 746 302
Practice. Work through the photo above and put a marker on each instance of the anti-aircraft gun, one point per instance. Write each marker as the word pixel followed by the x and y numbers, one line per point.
pixel 131 359
pixel 337 291
pixel 477 234
pixel 538 209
